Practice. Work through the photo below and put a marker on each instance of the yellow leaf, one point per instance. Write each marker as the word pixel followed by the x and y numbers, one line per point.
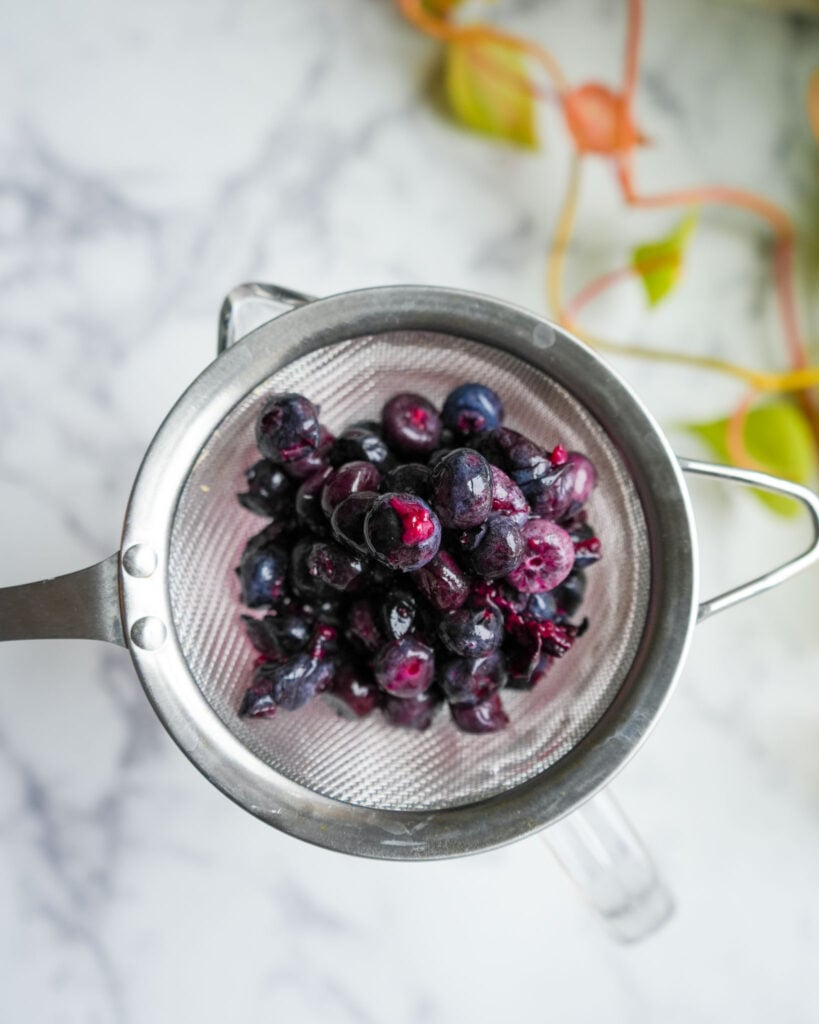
pixel 659 263
pixel 778 436
pixel 489 90
pixel 440 8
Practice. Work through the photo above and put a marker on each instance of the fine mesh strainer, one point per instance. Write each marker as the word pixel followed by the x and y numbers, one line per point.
pixel 364 787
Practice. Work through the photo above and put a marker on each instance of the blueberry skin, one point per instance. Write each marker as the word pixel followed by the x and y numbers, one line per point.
pixel 543 606
pixel 398 614
pixel 402 531
pixel 405 668
pixel 488 716
pixel 568 597
pixel 516 455
pixel 471 408
pixel 548 557
pixel 410 424
pixel 335 565
pixel 257 701
pixel 507 498
pixel 314 461
pixel 362 627
pixel 411 713
pixel 292 683
pixel 346 480
pixel 353 692
pixel 277 635
pixel 493 549
pixel 410 478
pixel 564 489
pixel 310 588
pixel 287 428
pixel 472 632
pixel 461 491
pixel 262 572
pixel 362 443
pixel 269 492
pixel 442 582
pixel 308 502
pixel 347 522
pixel 472 680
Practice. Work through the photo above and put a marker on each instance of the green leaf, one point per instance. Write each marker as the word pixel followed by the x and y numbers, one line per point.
pixel 488 89
pixel 778 436
pixel 659 263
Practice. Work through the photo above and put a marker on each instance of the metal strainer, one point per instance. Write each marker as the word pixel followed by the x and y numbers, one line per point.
pixel 364 787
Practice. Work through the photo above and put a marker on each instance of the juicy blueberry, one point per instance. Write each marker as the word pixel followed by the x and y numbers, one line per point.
pixel 335 565
pixel 292 683
pixel 411 424
pixel 569 595
pixel 277 635
pixel 472 632
pixel 411 477
pixel 471 408
pixel 493 549
pixel 413 712
pixel 542 607
pixel 548 557
pixel 262 572
pixel 353 692
pixel 288 428
pixel 314 461
pixel 405 668
pixel 347 522
pixel 442 582
pixel 461 491
pixel 362 627
pixel 398 613
pixel 507 498
pixel 516 455
pixel 472 680
pixel 308 501
pixel 304 583
pixel 488 716
pixel 347 480
pixel 402 531
pixel 361 443
pixel 257 701
pixel 269 492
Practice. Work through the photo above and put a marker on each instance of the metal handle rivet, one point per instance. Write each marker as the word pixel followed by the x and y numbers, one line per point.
pixel 149 633
pixel 139 560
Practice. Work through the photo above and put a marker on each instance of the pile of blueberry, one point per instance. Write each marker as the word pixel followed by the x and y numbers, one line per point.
pixel 430 557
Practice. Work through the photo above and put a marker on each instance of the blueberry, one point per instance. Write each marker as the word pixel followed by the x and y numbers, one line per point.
pixel 304 584
pixel 488 716
pixel 277 635
pixel 335 565
pixel 472 632
pixel 398 613
pixel 542 607
pixel 404 668
pixel 347 480
pixel 361 443
pixel 507 498
pixel 362 626
pixel 262 572
pixel 564 489
pixel 410 477
pixel 269 492
pixel 410 424
pixel 257 701
pixel 472 680
pixel 471 408
pixel 412 713
pixel 314 461
pixel 442 582
pixel 516 455
pixel 292 683
pixel 347 522
pixel 493 549
pixel 287 428
pixel 308 501
pixel 548 557
pixel 402 531
pixel 523 653
pixel 586 543
pixel 353 692
pixel 569 595
pixel 438 454
pixel 461 491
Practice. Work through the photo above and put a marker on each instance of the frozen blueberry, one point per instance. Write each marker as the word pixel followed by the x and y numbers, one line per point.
pixel 287 428
pixel 472 680
pixel 398 613
pixel 542 607
pixel 488 716
pixel 472 632
pixel 493 549
pixel 413 712
pixel 404 668
pixel 292 683
pixel 586 544
pixel 308 501
pixel 410 424
pixel 262 571
pixel 257 701
pixel 442 582
pixel 516 455
pixel 438 454
pixel 507 498
pixel 548 557
pixel 471 408
pixel 314 461
pixel 347 480
pixel 362 627
pixel 307 586
pixel 277 635
pixel 564 489
pixel 347 522
pixel 410 477
pixel 362 443
pixel 461 490
pixel 569 595
pixel 335 565
pixel 353 691
pixel 402 531
pixel 269 492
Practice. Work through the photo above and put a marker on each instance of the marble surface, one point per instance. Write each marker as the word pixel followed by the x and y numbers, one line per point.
pixel 154 155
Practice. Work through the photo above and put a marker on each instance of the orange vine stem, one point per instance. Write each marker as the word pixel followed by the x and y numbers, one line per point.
pixel 738 453
pixel 634 31
pixel 556 260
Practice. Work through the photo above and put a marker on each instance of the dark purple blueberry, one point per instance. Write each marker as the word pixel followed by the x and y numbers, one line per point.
pixel 292 683
pixel 586 543
pixel 493 549
pixel 405 667
pixel 347 480
pixel 374 426
pixel 402 531
pixel 353 691
pixel 438 454
pixel 412 713
pixel 516 455
pixel 488 716
pixel 564 489
pixel 471 408
pixel 257 701
pixel 269 492
pixel 507 498
pixel 314 461
pixel 362 627
pixel 329 610
pixel 277 635
pixel 499 593
pixel 472 680
pixel 523 653
pixel 409 478
pixel 569 595
pixel 262 572
pixel 287 428
pixel 310 588
pixel 461 490
pixel 442 582
pixel 398 613
pixel 410 424
pixel 585 478
pixel 361 444
pixel 347 522
pixel 308 501
pixel 335 565
pixel 548 557
pixel 472 632
pixel 542 607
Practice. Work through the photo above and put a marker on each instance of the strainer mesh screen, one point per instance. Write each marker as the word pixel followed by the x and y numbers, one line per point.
pixel 368 762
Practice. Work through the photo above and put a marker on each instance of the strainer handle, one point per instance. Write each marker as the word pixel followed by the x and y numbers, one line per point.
pixel 82 605
pixel 249 305
pixel 599 850
pixel 752 478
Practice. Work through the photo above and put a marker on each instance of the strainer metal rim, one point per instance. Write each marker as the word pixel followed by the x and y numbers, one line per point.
pixel 393 834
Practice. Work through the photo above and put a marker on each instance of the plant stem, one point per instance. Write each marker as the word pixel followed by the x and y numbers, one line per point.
pixel 556 259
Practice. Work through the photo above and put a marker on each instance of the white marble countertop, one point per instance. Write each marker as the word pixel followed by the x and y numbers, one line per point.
pixel 154 155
